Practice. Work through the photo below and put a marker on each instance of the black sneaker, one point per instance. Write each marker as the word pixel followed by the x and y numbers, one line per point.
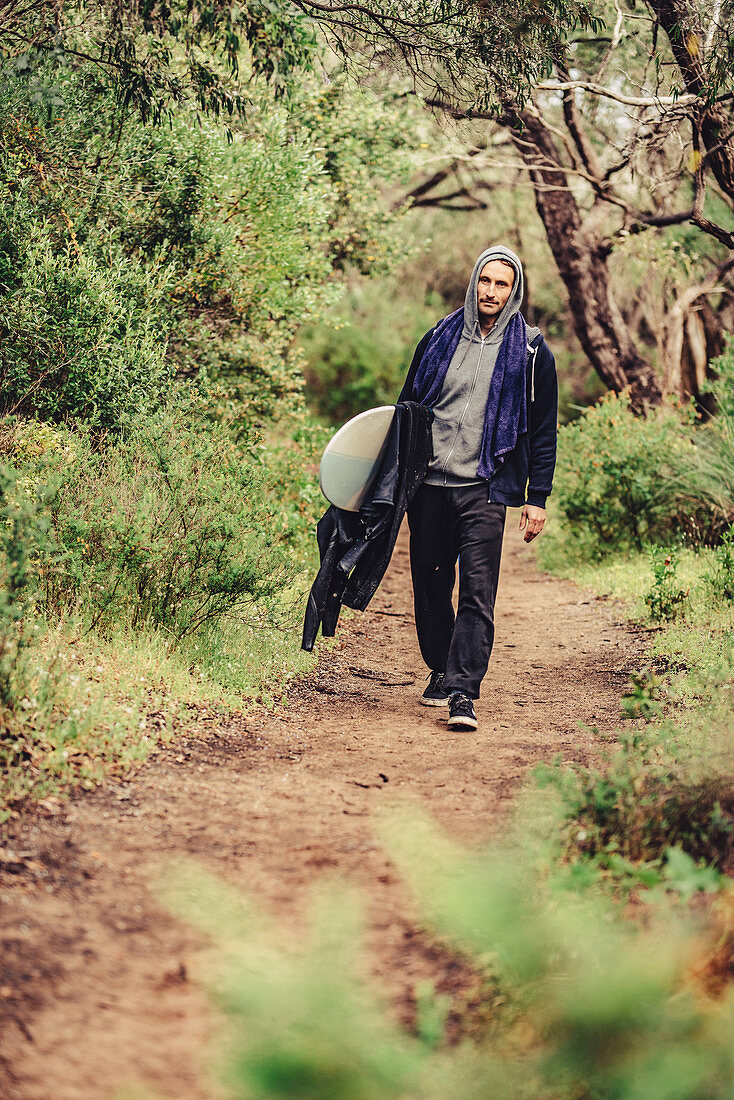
pixel 434 695
pixel 461 712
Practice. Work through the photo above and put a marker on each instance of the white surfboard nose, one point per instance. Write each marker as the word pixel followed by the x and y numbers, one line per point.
pixel 352 457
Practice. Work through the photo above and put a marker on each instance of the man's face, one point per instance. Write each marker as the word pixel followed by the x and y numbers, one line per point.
pixel 493 289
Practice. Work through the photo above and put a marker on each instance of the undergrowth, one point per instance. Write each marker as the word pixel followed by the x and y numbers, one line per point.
pixel 667 789
pixel 139 577
pixel 158 490
pixel 584 1003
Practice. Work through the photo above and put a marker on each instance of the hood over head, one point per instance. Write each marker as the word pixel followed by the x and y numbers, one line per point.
pixel 513 303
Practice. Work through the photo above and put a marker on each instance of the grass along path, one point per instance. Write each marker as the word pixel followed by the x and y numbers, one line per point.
pixel 99 984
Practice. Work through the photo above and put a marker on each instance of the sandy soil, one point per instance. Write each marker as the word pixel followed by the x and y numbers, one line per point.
pixel 96 987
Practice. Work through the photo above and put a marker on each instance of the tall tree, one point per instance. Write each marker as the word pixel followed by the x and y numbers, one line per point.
pixel 631 136
pixel 624 129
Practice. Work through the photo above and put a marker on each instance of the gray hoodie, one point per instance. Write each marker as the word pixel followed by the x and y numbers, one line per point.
pixel 458 423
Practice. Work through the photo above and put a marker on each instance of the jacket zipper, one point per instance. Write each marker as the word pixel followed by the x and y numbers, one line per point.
pixel 532 377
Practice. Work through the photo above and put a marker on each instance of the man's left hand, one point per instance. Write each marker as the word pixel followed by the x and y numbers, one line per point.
pixel 532 521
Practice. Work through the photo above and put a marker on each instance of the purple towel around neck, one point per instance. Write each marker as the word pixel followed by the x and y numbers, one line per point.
pixel 436 358
pixel 506 415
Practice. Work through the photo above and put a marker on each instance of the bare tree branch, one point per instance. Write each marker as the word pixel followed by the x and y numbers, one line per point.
pixel 713 26
pixel 575 127
pixel 618 97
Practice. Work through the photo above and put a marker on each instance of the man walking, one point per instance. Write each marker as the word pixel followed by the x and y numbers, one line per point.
pixel 491 383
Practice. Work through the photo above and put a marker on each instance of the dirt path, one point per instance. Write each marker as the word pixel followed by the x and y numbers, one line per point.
pixel 95 992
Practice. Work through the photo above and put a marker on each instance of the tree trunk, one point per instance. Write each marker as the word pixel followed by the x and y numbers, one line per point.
pixel 691 335
pixel 581 254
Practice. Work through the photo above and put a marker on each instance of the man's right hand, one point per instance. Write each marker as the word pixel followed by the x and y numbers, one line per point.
pixel 532 521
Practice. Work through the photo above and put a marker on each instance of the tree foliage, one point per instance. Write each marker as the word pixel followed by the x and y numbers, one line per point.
pixel 474 55
pixel 157 56
pixel 227 236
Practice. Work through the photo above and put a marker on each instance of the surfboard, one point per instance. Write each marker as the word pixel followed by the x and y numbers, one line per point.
pixel 353 456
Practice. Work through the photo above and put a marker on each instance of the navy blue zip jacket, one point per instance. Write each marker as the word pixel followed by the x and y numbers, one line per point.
pixel 526 474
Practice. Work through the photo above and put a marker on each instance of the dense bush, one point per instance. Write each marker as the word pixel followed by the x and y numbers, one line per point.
pixel 665 598
pixel 28 680
pixel 152 280
pixel 619 477
pixel 81 338
pixel 581 1005
pixel 643 802
pixel 137 568
pixel 129 252
pixel 721 577
pixel 173 527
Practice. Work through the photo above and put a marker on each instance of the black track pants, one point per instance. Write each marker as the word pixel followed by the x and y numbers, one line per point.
pixel 446 524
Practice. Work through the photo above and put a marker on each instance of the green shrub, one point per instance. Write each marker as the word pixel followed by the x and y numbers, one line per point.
pixel 20 528
pixel 643 696
pixel 303 1028
pixel 721 383
pixel 290 462
pixel 81 339
pixel 642 802
pixel 665 598
pixel 28 678
pixel 349 371
pixel 361 360
pixel 172 527
pixel 588 1006
pixel 201 246
pixel 618 480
